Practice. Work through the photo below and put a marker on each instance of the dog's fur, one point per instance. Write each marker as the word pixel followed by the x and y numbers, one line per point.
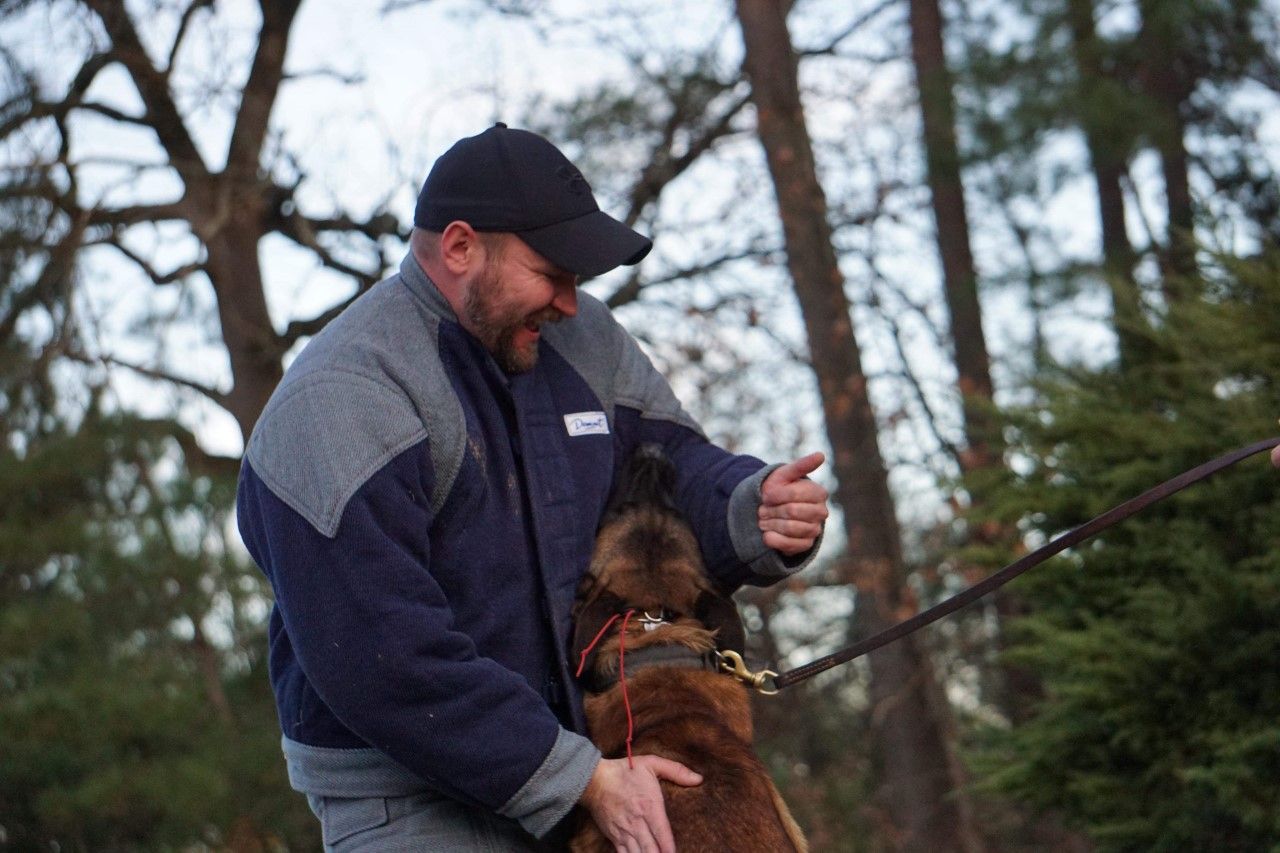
pixel 647 559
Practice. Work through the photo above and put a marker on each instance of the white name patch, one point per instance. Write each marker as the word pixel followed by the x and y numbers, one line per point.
pixel 586 423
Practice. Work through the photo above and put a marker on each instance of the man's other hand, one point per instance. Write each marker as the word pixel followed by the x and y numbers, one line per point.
pixel 1275 456
pixel 793 508
pixel 626 802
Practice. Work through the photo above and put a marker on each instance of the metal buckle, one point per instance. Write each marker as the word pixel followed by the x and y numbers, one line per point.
pixel 649 621
pixel 731 663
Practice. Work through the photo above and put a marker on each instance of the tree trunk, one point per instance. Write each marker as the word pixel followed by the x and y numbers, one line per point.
pixel 229 211
pixel 1166 81
pixel 951 217
pixel 1020 688
pixel 1109 144
pixel 251 340
pixel 912 729
pixel 1181 262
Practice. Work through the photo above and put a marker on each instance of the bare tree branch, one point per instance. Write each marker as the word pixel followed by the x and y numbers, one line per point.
pixel 628 292
pixel 136 166
pixel 913 382
pixel 156 277
pixel 663 169
pixel 87 74
pixel 376 227
pixel 26 107
pixel 153 87
pixel 183 27
pixel 634 285
pixel 55 275
pixel 110 112
pixel 326 74
pixel 833 44
pixel 303 328
pixel 117 217
pixel 152 373
pixel 260 90
pixel 202 462
pixel 298 229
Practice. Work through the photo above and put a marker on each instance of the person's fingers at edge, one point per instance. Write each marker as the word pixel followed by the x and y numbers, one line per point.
pixel 672 771
pixel 785 544
pixel 797 469
pixel 800 491
pixel 639 838
pixel 814 512
pixel 792 529
pixel 664 841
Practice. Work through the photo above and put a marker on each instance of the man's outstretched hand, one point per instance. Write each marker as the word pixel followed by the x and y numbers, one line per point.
pixel 793 508
pixel 626 803
pixel 1275 456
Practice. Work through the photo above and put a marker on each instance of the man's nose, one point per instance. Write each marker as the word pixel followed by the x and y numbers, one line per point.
pixel 566 298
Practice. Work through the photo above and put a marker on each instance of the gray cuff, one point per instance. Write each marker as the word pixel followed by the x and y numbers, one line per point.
pixel 748 539
pixel 555 786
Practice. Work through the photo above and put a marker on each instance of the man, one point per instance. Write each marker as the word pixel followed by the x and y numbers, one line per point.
pixel 423 491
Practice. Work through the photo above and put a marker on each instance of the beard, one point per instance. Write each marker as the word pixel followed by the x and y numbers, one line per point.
pixel 495 322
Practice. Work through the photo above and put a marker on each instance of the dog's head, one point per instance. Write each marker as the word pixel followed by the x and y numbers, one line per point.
pixel 647 560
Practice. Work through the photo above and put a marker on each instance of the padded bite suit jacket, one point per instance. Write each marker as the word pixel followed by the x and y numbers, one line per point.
pixel 424 520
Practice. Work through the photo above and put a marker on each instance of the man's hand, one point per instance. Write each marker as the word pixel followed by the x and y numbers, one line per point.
pixel 1275 456
pixel 627 803
pixel 792 508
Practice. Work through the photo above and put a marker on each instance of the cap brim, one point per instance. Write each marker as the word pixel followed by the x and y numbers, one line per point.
pixel 588 245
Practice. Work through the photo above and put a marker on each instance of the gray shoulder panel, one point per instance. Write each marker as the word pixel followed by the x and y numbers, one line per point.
pixel 613 364
pixel 325 437
pixel 366 389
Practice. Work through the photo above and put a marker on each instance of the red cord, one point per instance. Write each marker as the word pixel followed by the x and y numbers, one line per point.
pixel 622 672
pixel 622 679
pixel 582 662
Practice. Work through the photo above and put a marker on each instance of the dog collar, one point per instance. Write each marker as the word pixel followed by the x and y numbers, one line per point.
pixel 678 657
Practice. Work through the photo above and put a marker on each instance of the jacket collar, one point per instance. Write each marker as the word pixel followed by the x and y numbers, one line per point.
pixel 416 278
pixel 421 285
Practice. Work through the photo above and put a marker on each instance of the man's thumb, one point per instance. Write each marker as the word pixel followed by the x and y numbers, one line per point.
pixel 800 468
pixel 673 771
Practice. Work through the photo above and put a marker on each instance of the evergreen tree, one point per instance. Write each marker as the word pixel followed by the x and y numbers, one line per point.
pixel 1157 640
pixel 131 653
pixel 134 710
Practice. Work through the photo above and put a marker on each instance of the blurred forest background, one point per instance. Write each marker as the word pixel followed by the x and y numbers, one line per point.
pixel 1009 261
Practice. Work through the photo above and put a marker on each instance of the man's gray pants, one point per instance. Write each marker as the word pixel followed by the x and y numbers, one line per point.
pixel 418 822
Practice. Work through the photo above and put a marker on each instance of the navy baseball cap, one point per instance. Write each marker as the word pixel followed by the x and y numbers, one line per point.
pixel 512 180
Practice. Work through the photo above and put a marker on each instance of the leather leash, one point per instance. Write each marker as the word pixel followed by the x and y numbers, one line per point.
pixel 951 605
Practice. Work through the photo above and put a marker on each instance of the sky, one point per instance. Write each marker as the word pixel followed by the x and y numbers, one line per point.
pixel 379 93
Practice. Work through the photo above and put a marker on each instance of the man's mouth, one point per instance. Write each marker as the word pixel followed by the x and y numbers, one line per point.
pixel 534 323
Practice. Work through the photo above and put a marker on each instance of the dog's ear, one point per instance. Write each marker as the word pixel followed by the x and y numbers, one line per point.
pixel 719 613
pixel 590 615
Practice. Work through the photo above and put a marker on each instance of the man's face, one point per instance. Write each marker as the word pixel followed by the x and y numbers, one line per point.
pixel 512 295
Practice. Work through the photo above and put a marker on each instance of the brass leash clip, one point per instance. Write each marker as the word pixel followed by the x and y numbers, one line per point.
pixel 731 662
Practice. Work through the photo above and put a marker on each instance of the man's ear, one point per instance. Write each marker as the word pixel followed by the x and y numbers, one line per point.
pixel 720 614
pixel 460 248
pixel 590 615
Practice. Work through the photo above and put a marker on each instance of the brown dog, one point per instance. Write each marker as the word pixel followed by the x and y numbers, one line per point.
pixel 647 561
